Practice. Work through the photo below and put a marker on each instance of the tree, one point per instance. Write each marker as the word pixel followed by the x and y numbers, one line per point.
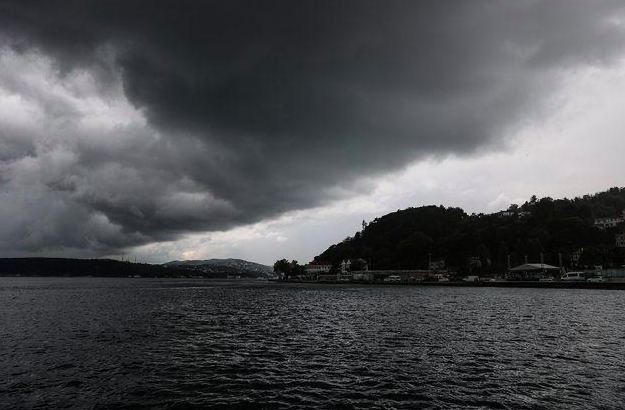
pixel 412 249
pixel 591 256
pixel 288 269
pixel 357 264
pixel 296 269
pixel 502 257
pixel 403 239
pixel 282 268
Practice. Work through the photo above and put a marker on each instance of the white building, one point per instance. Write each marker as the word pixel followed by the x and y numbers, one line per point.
pixel 603 223
pixel 346 265
pixel 317 268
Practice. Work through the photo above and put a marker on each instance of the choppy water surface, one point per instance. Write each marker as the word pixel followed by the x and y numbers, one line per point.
pixel 174 344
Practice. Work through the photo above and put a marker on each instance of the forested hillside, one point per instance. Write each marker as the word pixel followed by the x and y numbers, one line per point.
pixel 407 239
pixel 82 267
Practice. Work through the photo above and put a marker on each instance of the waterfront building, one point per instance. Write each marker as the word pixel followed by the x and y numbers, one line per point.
pixel 317 268
pixel 348 264
pixel 407 275
pixel 604 223
pixel 612 222
pixel 532 271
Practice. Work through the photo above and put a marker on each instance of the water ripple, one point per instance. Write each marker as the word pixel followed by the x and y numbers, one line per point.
pixel 183 344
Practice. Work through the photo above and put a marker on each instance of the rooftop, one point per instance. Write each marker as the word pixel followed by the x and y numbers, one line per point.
pixel 533 266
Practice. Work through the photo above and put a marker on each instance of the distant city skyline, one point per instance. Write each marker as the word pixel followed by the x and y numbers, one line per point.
pixel 270 130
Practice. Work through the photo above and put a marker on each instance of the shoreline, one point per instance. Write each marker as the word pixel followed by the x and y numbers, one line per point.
pixel 499 284
pixel 620 285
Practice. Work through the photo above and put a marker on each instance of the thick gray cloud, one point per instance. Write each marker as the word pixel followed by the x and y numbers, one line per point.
pixel 255 108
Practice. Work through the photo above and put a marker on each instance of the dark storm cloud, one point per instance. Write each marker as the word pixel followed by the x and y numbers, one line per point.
pixel 268 106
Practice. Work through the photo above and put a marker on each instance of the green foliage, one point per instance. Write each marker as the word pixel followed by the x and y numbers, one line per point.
pixel 289 269
pixel 357 264
pixel 282 266
pixel 407 239
pixel 86 267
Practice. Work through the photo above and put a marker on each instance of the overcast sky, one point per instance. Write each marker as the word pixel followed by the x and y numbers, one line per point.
pixel 271 129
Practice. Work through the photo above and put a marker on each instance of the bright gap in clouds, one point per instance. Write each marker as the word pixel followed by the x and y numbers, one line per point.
pixel 576 149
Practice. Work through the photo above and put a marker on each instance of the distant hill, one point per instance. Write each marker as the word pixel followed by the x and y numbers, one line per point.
pixel 213 268
pixel 228 266
pixel 82 267
pixel 482 243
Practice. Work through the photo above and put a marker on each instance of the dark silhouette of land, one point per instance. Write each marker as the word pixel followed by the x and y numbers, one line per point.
pixel 84 267
pixel 486 244
pixel 115 268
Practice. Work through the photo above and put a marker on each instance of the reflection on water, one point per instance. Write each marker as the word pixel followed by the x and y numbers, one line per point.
pixel 181 344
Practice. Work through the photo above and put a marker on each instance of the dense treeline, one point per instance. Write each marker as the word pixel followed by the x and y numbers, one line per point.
pixel 82 267
pixel 216 271
pixel 408 239
pixel 287 268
